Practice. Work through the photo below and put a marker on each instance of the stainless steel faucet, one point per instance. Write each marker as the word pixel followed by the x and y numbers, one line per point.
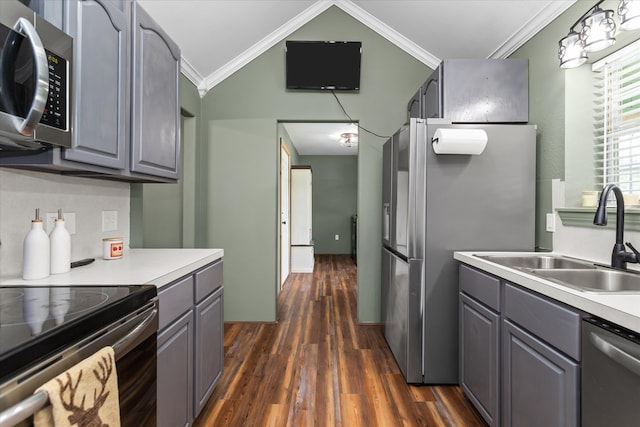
pixel 619 257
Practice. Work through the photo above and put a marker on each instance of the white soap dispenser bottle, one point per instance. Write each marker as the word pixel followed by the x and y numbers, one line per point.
pixel 60 246
pixel 35 255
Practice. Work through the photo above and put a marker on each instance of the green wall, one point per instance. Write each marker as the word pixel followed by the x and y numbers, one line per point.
pixel 242 115
pixel 335 194
pixel 560 105
pixel 165 215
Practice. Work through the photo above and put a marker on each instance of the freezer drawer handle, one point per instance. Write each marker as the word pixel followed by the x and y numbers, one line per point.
pixel 29 406
pixel 625 359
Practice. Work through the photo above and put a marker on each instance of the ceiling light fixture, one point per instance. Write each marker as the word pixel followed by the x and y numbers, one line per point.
pixel 597 33
pixel 349 139
pixel 598 29
pixel 629 11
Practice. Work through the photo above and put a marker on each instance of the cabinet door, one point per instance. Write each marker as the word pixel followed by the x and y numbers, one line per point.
pixel 209 348
pixel 99 29
pixel 480 357
pixel 155 127
pixel 540 384
pixel 175 373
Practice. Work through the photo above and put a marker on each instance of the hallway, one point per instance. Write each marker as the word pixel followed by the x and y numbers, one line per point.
pixel 318 367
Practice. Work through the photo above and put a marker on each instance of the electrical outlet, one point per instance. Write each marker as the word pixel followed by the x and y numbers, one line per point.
pixel 49 222
pixel 551 222
pixel 109 220
pixel 337 237
pixel 69 221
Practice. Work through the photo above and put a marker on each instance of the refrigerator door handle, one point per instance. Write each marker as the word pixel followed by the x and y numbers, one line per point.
pixel 386 219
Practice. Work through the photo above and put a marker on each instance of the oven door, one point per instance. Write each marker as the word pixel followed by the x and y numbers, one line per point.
pixel 134 340
pixel 35 75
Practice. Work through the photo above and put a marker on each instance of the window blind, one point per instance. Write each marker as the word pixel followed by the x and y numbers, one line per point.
pixel 617 119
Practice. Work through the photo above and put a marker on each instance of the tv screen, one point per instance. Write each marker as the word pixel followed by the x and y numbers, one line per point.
pixel 329 65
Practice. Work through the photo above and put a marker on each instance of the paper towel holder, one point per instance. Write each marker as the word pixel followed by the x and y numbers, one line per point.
pixel 459 141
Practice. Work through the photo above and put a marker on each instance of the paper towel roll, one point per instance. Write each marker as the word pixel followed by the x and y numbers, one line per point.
pixel 459 141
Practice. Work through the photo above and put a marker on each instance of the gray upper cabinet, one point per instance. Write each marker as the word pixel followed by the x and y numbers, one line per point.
pixel 100 67
pixel 155 126
pixel 126 98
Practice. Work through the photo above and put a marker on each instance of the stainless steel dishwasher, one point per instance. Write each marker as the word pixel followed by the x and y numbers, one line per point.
pixel 610 375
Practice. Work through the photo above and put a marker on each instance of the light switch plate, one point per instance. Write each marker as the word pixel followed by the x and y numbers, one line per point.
pixel 109 220
pixel 551 223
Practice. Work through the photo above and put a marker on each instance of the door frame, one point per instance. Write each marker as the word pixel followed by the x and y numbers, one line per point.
pixel 284 245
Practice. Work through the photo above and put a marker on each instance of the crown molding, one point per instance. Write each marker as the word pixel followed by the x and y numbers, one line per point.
pixel 532 27
pixel 388 33
pixel 192 74
pixel 520 37
pixel 266 43
pixel 206 84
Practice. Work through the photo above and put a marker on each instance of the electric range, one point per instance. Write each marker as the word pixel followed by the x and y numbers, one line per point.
pixel 39 321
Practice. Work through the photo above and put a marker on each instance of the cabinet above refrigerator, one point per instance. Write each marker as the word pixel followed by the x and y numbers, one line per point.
pixel 475 91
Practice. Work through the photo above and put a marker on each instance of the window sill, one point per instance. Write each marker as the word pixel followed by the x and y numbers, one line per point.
pixel 583 217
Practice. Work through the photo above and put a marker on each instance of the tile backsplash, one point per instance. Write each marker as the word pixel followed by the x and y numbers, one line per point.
pixel 21 192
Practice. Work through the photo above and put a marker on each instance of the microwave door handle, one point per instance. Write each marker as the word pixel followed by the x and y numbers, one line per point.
pixel 28 125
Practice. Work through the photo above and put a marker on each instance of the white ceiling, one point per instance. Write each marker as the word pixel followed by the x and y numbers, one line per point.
pixel 321 139
pixel 218 37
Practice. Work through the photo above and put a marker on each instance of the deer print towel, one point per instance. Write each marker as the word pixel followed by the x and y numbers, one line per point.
pixel 86 395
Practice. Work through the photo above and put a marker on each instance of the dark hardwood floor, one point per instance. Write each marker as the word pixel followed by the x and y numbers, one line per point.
pixel 318 367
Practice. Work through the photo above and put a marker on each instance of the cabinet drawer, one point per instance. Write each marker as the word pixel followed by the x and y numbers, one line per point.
pixel 556 324
pixel 208 280
pixel 175 300
pixel 481 286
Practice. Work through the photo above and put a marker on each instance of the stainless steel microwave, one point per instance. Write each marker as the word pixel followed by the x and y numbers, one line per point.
pixel 35 81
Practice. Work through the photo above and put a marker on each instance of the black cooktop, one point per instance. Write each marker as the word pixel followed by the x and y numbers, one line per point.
pixel 36 321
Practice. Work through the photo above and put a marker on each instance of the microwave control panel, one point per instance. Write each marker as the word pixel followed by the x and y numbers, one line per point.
pixel 55 111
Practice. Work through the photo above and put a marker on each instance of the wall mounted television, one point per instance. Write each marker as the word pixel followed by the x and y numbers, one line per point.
pixel 323 65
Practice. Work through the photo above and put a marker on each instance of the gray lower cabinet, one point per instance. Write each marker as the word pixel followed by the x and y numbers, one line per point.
pixel 519 353
pixel 480 327
pixel 541 385
pixel 190 344
pixel 480 357
pixel 175 379
pixel 210 344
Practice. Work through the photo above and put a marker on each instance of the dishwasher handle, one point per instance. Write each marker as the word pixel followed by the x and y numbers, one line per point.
pixel 615 353
pixel 29 406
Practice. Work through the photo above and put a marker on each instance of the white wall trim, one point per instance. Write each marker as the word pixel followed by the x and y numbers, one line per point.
pixel 266 43
pixel 193 75
pixel 532 27
pixel 388 33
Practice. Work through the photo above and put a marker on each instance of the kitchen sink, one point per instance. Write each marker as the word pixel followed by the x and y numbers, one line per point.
pixel 600 280
pixel 538 262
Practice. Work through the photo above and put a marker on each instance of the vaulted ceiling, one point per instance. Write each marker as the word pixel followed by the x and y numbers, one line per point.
pixel 218 37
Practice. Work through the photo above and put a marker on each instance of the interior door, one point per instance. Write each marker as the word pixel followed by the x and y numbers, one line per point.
pixel 285 239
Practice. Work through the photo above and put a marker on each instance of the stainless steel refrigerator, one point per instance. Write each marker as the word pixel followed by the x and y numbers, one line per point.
pixel 434 205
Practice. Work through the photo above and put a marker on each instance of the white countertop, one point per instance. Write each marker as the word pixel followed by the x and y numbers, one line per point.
pixel 138 266
pixel 622 309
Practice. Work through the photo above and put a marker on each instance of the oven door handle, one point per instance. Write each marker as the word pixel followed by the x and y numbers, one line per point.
pixel 32 404
pixel 629 361
pixel 129 341
pixel 23 410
